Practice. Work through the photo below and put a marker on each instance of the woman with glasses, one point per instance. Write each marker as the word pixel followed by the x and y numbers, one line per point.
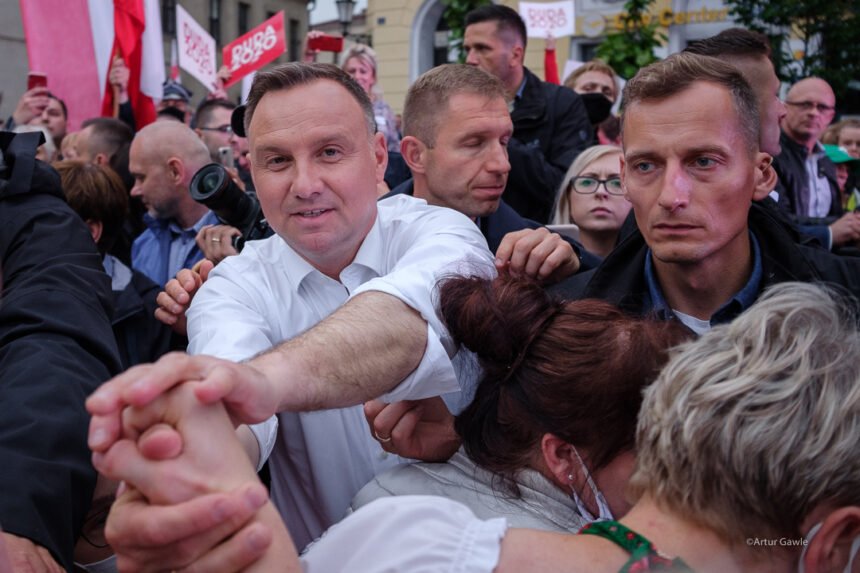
pixel 591 197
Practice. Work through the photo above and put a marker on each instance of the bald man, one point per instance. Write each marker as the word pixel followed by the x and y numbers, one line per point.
pixel 807 179
pixel 164 156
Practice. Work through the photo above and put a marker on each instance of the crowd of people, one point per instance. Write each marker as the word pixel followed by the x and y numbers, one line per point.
pixel 511 332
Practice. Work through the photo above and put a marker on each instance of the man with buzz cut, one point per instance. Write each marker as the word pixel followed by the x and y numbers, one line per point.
pixel 456 132
pixel 551 125
pixel 692 168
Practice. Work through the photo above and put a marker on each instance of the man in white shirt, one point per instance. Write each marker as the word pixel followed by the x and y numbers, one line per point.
pixel 346 282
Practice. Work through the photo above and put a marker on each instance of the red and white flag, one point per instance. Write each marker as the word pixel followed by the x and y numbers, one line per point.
pixel 74 41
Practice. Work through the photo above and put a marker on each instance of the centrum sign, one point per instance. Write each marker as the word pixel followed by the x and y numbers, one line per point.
pixel 669 18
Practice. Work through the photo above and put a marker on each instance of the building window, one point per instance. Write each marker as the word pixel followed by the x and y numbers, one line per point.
pixel 168 17
pixel 295 41
pixel 244 16
pixel 215 20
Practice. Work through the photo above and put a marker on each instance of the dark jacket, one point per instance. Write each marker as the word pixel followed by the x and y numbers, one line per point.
pixel 793 185
pixel 503 221
pixel 551 128
pixel 139 335
pixel 620 279
pixel 56 347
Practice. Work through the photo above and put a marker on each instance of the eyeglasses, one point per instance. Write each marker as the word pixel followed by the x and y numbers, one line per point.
pixel 589 185
pixel 809 105
pixel 221 128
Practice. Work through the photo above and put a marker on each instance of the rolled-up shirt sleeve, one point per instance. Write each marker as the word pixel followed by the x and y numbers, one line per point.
pixel 433 243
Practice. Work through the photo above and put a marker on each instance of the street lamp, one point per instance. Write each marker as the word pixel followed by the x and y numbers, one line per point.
pixel 345 9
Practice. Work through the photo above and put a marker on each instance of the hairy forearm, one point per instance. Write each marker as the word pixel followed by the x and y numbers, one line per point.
pixel 358 353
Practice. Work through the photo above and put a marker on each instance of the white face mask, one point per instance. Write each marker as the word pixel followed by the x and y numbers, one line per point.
pixel 104 566
pixel 855 549
pixel 604 513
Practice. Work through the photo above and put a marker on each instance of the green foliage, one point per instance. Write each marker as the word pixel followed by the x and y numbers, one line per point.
pixel 455 15
pixel 633 46
pixel 829 30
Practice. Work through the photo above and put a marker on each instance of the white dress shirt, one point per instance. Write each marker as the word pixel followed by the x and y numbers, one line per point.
pixel 414 533
pixel 269 294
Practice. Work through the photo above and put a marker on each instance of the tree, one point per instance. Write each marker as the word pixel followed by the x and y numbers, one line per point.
pixel 828 29
pixel 633 46
pixel 455 16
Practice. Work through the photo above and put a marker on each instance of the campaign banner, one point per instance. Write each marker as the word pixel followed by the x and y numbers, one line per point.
pixel 542 18
pixel 253 50
pixel 196 49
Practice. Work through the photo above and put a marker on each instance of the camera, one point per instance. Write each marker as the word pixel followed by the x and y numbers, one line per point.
pixel 212 186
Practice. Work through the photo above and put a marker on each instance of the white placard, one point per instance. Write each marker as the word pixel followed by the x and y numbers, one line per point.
pixel 541 18
pixel 196 49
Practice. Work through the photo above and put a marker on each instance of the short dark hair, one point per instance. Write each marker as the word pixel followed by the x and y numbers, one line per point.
pixel 95 193
pixel 204 113
pixel 294 74
pixel 573 369
pixel 62 105
pixel 427 98
pixel 679 72
pixel 734 42
pixel 507 19
pixel 108 135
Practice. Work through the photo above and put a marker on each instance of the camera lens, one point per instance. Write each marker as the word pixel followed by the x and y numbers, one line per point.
pixel 211 182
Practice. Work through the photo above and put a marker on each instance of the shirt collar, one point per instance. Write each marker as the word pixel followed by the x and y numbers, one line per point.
pixel 369 255
pixel 522 87
pixel 741 300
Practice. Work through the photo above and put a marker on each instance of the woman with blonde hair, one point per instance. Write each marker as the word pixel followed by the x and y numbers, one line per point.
pixel 360 63
pixel 592 198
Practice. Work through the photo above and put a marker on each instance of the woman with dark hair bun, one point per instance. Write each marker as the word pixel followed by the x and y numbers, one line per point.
pixel 548 439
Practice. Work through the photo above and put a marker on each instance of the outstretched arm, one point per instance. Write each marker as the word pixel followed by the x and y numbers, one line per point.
pixel 192 446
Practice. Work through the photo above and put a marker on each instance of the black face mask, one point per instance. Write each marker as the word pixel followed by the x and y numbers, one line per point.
pixel 597 106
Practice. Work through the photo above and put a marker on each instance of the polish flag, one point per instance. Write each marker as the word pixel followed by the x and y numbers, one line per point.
pixel 73 43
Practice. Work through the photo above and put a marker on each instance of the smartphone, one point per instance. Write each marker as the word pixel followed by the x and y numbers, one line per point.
pixel 326 43
pixel 36 80
pixel 226 156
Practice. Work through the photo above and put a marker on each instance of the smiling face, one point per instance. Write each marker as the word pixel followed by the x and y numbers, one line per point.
pixel 315 168
pixel 362 72
pixel 691 177
pixel 599 211
pixel 467 167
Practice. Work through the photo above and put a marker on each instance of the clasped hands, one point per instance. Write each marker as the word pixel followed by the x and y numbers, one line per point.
pixel 191 499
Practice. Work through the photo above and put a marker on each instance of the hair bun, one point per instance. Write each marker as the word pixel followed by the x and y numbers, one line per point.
pixel 494 319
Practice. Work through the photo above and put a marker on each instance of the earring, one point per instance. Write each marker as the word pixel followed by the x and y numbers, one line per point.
pixel 570 478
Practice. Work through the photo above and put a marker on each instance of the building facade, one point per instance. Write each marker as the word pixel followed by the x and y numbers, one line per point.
pixel 410 36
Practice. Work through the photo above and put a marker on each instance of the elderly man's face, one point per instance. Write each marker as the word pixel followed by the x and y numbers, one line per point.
pixel 811 105
pixel 691 178
pixel 315 167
